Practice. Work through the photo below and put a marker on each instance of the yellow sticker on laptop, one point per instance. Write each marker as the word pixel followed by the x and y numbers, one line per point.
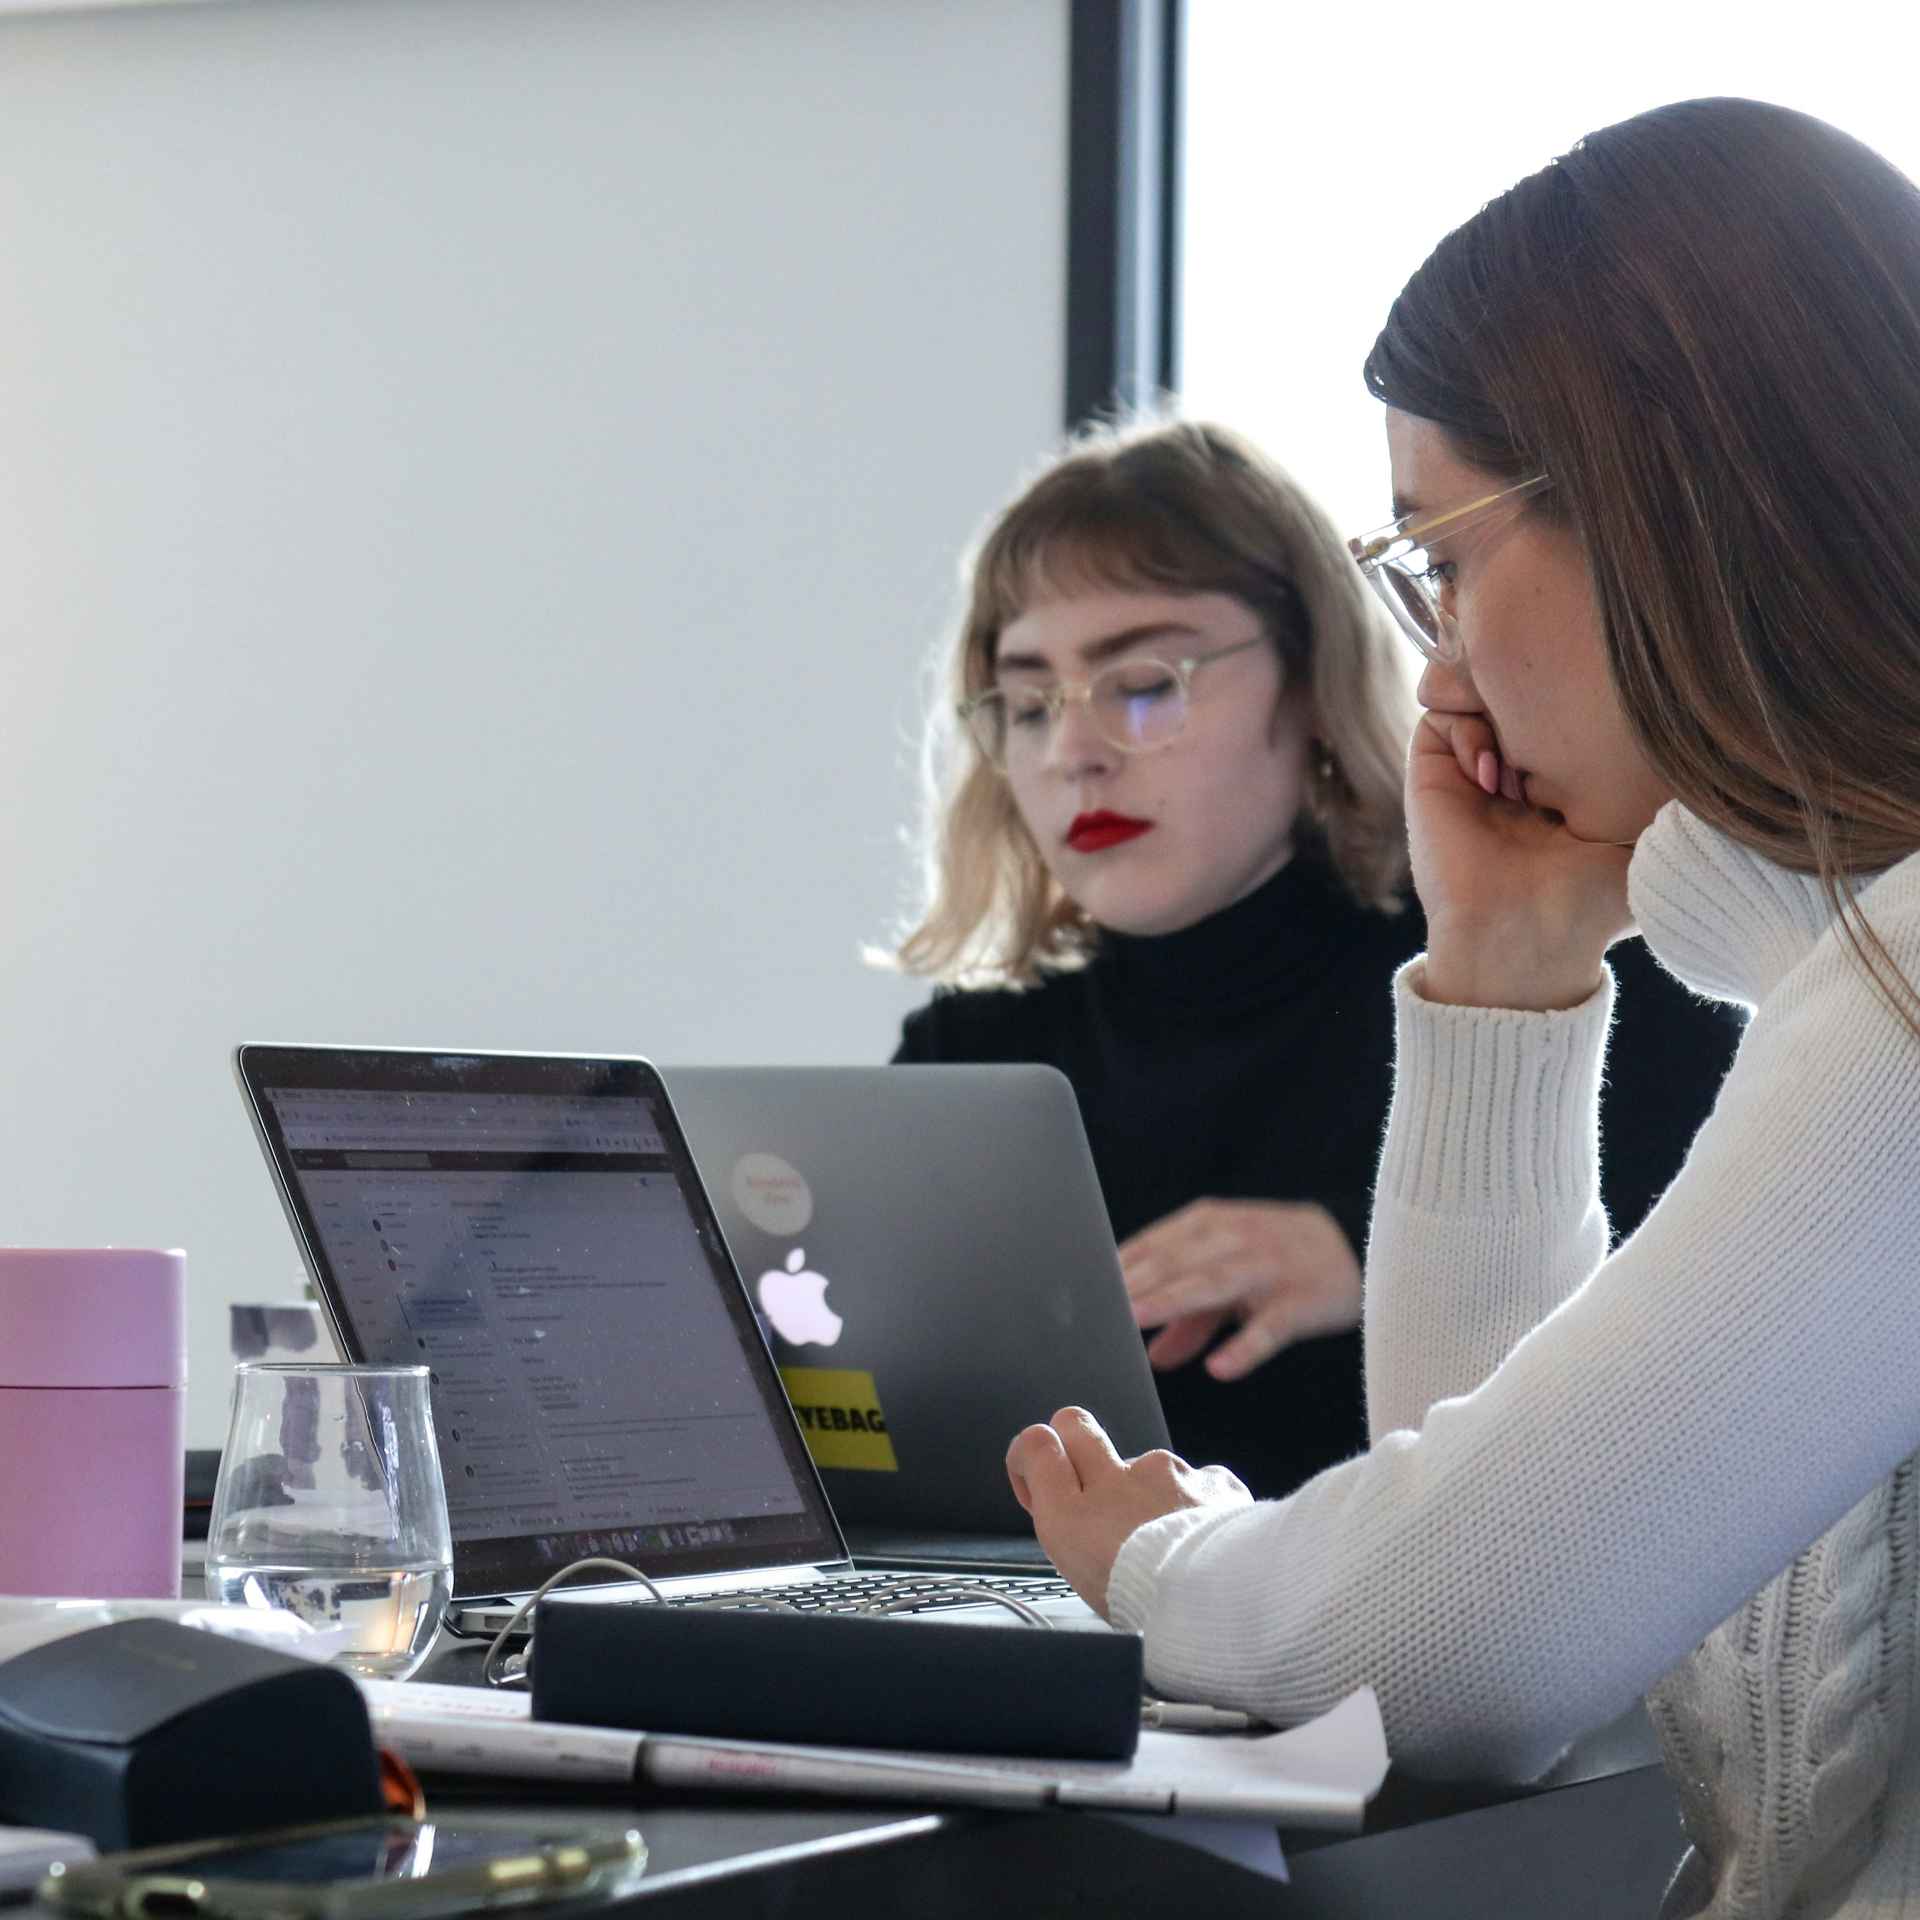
pixel 839 1413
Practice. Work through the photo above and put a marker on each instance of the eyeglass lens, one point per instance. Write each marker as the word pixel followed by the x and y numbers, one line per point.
pixel 1136 705
pixel 1411 601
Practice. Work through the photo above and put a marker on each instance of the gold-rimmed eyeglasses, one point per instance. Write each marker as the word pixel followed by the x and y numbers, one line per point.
pixel 1138 705
pixel 1400 565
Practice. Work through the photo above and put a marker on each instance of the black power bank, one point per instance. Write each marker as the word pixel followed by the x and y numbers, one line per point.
pixel 143 1732
pixel 843 1680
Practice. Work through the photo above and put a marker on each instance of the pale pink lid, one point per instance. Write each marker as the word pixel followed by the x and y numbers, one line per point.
pixel 92 1317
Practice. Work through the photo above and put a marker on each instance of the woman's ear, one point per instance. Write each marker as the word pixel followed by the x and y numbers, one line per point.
pixel 1326 783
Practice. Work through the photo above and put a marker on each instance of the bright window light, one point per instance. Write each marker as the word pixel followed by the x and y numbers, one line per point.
pixel 1328 149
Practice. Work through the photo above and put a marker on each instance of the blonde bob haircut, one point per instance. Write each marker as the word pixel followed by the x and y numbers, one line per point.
pixel 1175 506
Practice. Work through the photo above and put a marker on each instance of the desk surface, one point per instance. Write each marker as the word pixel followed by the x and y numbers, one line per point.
pixel 1599 1839
pixel 1601 1849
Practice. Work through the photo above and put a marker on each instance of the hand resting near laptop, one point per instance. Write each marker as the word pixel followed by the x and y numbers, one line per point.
pixel 1086 1501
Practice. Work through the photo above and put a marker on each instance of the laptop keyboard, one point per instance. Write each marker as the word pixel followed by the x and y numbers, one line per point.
pixel 864 1592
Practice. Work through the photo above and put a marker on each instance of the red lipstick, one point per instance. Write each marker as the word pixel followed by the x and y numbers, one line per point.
pixel 1095 832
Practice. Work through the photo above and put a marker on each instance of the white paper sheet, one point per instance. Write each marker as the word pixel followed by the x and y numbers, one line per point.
pixel 26 1623
pixel 1253 1844
pixel 1319 1774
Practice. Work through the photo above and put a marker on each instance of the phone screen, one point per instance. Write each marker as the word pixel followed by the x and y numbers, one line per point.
pixel 402 1851
pixel 397 1869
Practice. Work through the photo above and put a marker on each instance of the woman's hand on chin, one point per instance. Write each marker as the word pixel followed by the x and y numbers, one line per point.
pixel 1519 910
pixel 1275 1271
pixel 1086 1501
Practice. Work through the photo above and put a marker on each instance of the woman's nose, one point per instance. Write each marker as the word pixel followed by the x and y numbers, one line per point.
pixel 1446 686
pixel 1076 745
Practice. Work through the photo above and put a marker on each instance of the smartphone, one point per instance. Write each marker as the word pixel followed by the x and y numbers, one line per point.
pixel 383 1868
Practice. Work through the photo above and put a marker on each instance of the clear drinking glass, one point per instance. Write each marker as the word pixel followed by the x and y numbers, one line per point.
pixel 330 1504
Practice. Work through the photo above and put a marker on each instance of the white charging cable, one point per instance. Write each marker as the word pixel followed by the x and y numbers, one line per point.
pixel 513 1670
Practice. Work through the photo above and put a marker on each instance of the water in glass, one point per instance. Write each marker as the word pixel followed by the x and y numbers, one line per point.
pixel 330 1504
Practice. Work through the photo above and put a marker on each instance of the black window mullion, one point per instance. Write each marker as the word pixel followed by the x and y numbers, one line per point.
pixel 1123 205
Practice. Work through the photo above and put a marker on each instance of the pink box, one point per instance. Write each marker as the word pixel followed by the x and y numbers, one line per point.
pixel 93 1372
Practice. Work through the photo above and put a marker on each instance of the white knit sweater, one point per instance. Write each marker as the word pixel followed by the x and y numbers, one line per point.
pixel 1588 1473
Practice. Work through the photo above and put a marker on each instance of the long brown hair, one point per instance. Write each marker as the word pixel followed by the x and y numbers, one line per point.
pixel 1704 324
pixel 1158 504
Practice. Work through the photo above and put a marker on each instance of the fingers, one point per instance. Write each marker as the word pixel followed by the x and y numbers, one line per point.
pixel 1201 1230
pixel 1475 751
pixel 1163 1477
pixel 1090 1452
pixel 1329 1302
pixel 1253 1346
pixel 1038 1466
pixel 1211 1289
pixel 1282 1267
pixel 1182 1338
pixel 1205 1256
pixel 1218 1483
pixel 1070 1455
pixel 1316 1290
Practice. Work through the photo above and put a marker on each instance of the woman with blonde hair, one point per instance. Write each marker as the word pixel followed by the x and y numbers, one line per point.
pixel 1653 417
pixel 1168 856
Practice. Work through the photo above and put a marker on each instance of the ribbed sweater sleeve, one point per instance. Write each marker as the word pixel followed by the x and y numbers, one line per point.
pixel 1550 1518
pixel 1487 1212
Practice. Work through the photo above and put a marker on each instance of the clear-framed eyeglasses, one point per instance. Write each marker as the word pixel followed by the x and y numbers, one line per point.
pixel 1416 583
pixel 1138 705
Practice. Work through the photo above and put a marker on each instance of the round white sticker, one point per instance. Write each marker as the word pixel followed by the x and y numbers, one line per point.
pixel 772 1194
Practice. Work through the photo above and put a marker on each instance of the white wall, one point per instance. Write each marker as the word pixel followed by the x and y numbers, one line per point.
pixel 477 480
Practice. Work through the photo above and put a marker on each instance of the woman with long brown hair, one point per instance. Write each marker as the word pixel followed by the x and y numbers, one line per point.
pixel 1653 416
pixel 1168 855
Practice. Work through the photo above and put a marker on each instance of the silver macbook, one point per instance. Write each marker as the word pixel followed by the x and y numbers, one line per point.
pixel 533 1229
pixel 932 1262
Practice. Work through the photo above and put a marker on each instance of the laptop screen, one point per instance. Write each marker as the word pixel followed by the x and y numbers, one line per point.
pixel 532 1229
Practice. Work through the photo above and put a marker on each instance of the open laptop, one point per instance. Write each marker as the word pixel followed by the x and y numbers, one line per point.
pixel 532 1228
pixel 933 1266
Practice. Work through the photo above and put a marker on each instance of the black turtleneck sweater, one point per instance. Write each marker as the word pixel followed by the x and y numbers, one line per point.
pixel 1251 1057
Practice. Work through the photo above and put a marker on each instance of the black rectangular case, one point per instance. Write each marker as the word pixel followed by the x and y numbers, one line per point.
pixel 143 1732
pixel 847 1680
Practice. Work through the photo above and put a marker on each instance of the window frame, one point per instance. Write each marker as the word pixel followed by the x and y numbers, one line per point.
pixel 1125 60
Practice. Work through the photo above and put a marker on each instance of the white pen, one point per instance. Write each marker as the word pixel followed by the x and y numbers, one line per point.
pixel 487 1740
pixel 665 1762
pixel 509 1746
pixel 1181 1716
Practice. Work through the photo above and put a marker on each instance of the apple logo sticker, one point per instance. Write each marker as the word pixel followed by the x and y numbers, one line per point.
pixel 796 1302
